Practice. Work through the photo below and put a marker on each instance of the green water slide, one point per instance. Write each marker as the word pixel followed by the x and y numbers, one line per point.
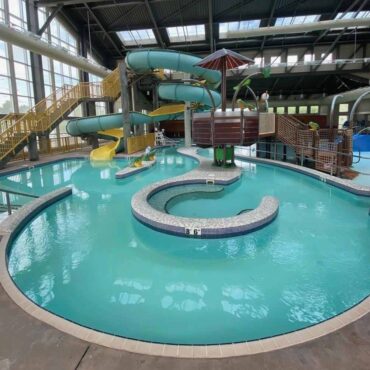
pixel 142 61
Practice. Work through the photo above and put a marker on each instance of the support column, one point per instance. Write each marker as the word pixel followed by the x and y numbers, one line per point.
pixel 37 80
pixel 268 148
pixel 33 153
pixel 138 129
pixel 109 107
pixel 125 104
pixel 155 97
pixel 187 124
pixel 93 140
pixel 187 119
pixel 36 59
pixel 44 143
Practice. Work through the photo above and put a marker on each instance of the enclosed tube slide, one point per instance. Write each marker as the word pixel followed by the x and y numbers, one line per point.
pixel 143 61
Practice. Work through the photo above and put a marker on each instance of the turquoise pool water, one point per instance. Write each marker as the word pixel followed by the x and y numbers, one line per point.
pixel 87 259
pixel 362 165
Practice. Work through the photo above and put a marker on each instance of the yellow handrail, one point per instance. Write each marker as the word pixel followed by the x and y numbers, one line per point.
pixel 9 120
pixel 48 111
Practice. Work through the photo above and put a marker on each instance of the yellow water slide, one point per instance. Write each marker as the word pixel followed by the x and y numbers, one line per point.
pixel 107 151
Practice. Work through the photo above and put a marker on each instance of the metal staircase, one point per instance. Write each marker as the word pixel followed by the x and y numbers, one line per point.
pixel 162 140
pixel 16 130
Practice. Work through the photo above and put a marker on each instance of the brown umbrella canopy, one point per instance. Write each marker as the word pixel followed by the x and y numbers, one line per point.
pixel 222 60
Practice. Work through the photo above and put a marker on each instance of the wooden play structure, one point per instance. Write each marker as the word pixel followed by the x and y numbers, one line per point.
pixel 329 149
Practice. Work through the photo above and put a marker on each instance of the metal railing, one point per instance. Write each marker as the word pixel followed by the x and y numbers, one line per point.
pixel 55 145
pixel 7 197
pixel 48 111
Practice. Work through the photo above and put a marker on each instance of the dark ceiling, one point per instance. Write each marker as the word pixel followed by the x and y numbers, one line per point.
pixel 100 20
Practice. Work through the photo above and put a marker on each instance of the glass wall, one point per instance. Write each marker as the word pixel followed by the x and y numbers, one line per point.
pixel 6 99
pixel 57 74
pixel 16 95
pixel 100 107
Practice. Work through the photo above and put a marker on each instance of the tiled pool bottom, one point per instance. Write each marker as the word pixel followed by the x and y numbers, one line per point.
pixel 363 166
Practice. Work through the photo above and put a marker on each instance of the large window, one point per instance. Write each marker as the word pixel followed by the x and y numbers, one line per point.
pixel 16 95
pixel 286 21
pixel 275 60
pixel 100 107
pixel 292 60
pixel 308 58
pixel 2 12
pixel 57 74
pixel 17 13
pixel 236 29
pixel 349 15
pixel 314 109
pixel 23 75
pixel 343 114
pixel 6 99
pixel 186 33
pixel 259 61
pixel 327 58
pixel 137 37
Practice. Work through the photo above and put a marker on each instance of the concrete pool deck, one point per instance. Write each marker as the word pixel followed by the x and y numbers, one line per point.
pixel 31 344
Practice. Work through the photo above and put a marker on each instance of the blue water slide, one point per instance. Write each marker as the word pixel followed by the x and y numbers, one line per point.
pixel 143 61
pixel 361 141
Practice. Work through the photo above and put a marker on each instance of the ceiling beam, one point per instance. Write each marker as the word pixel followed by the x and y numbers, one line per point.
pixel 274 85
pixel 49 19
pixel 269 22
pixel 156 30
pixel 46 3
pixel 107 35
pixel 120 18
pixel 306 27
pixel 179 10
pixel 231 8
pixel 322 33
pixel 210 26
pixel 353 54
pixel 334 43
pixel 115 4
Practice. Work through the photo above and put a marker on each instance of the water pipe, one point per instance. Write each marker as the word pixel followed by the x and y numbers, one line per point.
pixel 331 115
pixel 355 105
pixel 240 85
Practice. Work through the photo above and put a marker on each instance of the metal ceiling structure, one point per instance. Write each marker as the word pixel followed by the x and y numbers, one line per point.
pixel 103 19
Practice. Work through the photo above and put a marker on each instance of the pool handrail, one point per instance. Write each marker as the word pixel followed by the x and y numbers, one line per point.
pixel 7 197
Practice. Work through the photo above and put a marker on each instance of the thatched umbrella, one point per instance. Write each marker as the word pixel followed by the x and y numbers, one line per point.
pixel 222 60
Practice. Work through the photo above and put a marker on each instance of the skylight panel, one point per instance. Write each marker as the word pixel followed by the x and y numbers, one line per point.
pixel 287 21
pixel 349 15
pixel 236 29
pixel 137 37
pixel 186 33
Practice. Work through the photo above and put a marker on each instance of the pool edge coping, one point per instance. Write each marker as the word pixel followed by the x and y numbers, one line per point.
pixel 347 185
pixel 17 220
pixel 222 227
